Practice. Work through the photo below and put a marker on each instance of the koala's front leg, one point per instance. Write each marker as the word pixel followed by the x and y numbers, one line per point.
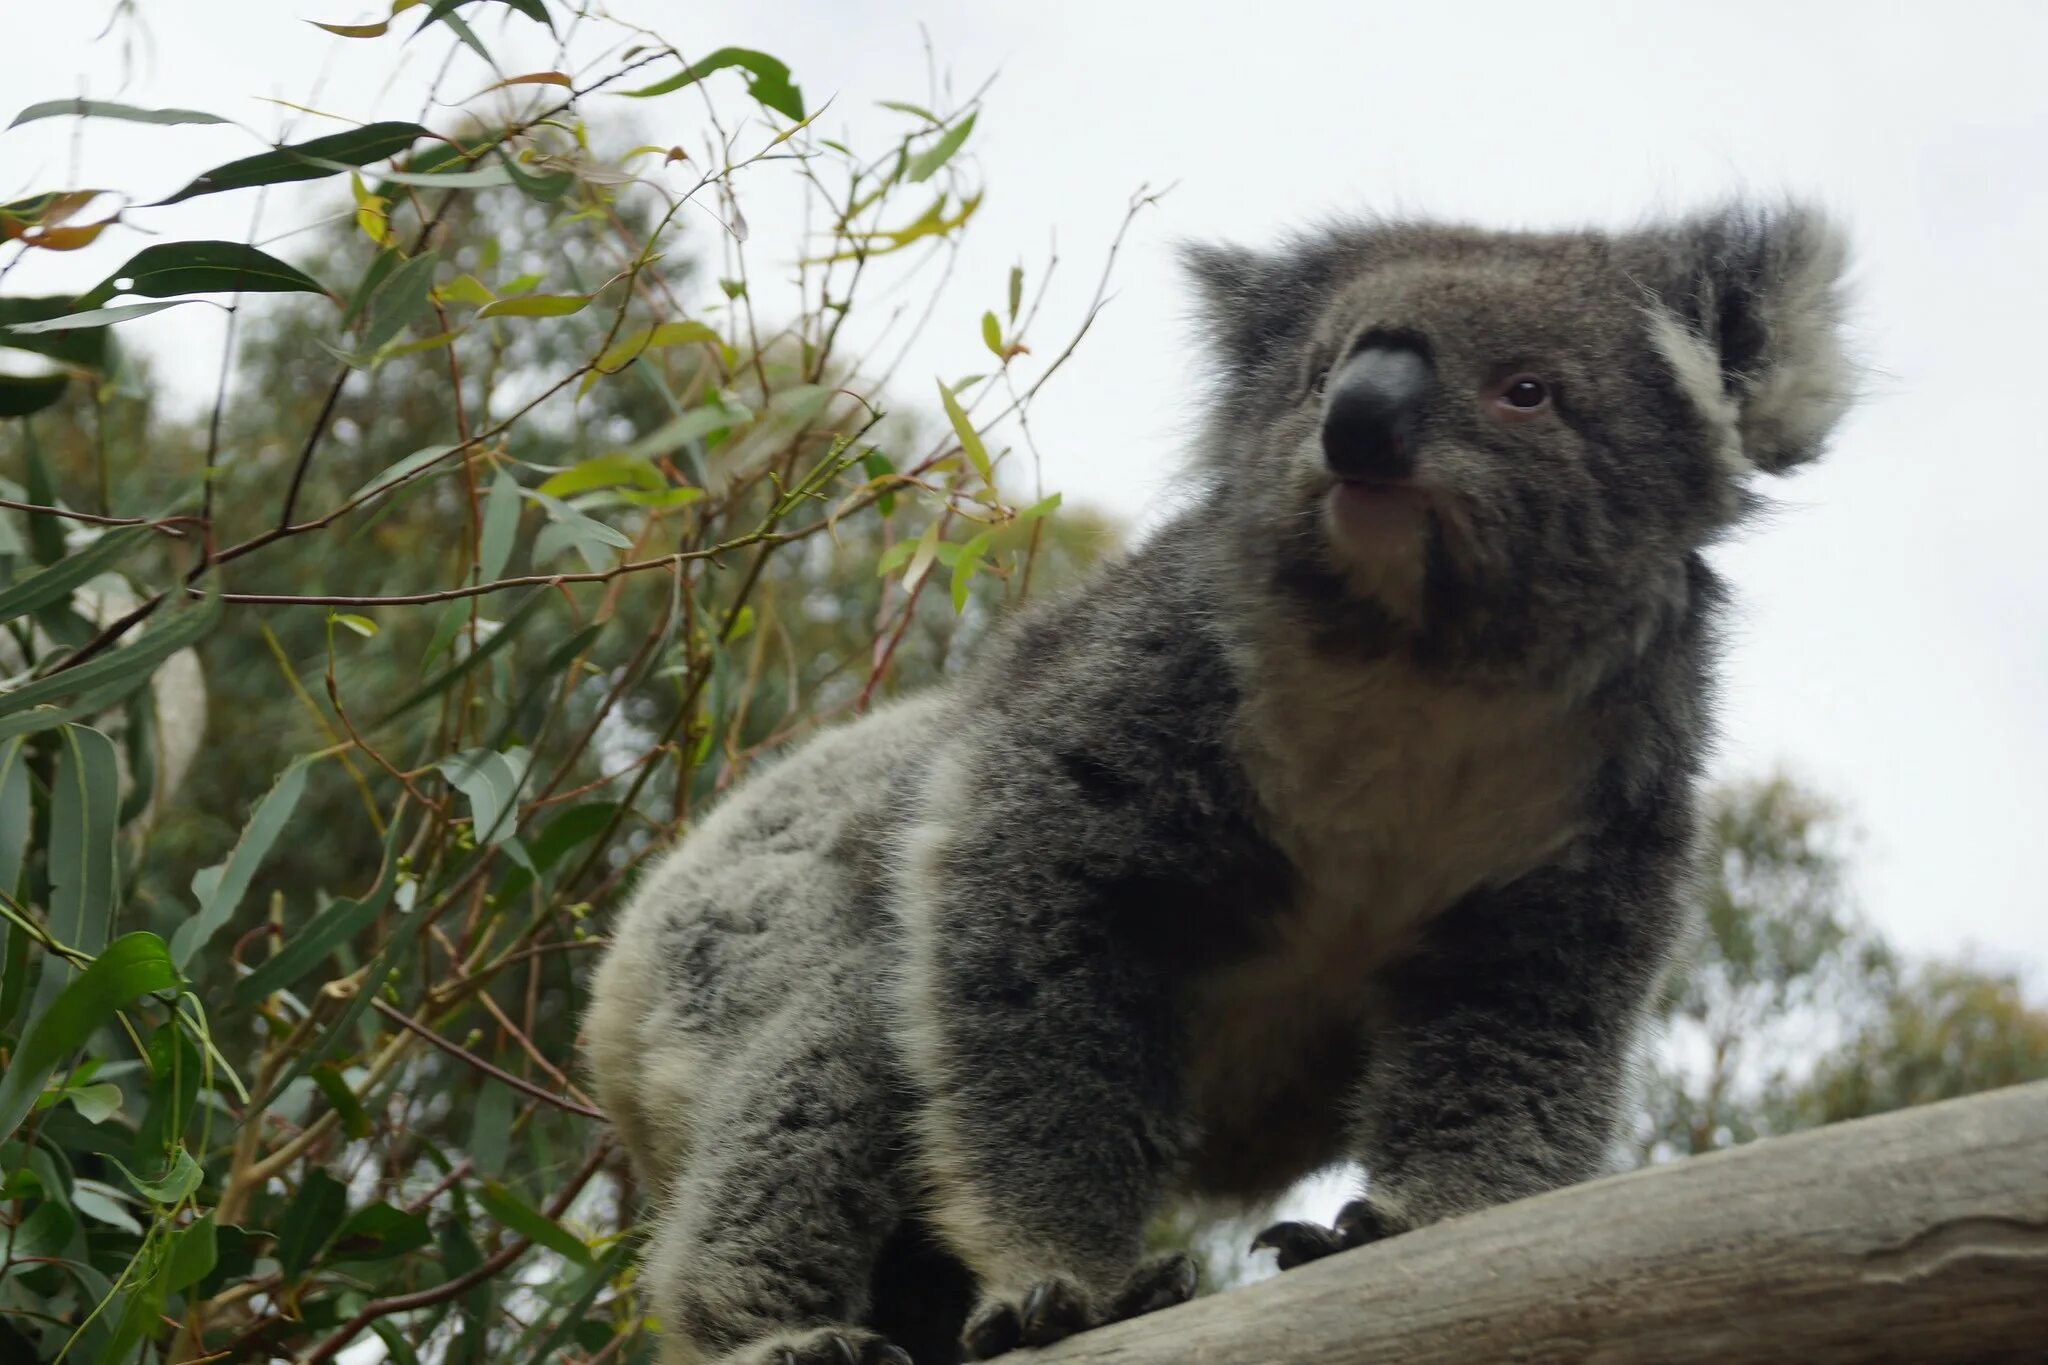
pixel 1049 1111
pixel 1503 1068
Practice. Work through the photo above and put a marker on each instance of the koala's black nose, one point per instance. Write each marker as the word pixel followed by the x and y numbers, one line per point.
pixel 1370 409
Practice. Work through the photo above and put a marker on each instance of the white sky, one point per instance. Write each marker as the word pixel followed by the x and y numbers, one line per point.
pixel 1893 641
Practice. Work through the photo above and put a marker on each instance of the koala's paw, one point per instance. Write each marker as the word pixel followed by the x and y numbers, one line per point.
pixel 1299 1243
pixel 1056 1308
pixel 828 1346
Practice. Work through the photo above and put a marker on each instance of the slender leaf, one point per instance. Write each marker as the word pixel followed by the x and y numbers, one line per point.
pixel 83 861
pixel 378 1232
pixel 404 469
pixel 767 79
pixel 928 162
pixel 16 814
pixel 21 395
pixel 108 109
pixel 169 269
pixel 314 1216
pixel 192 1255
pixel 530 1223
pixel 127 667
pixel 501 526
pixel 314 943
pixel 302 160
pixel 399 299
pixel 970 440
pixel 535 306
pixel 219 889
pixel 57 582
pixel 133 965
pixel 96 317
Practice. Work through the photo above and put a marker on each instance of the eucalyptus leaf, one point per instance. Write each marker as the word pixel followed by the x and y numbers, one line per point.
pixel 133 965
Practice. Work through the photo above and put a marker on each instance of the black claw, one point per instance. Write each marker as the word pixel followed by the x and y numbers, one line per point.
pixel 993 1334
pixel 1052 1312
pixel 785 1356
pixel 1161 1284
pixel 894 1355
pixel 1298 1243
pixel 845 1351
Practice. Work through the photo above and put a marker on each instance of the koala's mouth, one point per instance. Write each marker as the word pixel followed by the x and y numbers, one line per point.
pixel 1380 515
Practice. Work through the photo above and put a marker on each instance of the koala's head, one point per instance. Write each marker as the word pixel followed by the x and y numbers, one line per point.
pixel 1497 451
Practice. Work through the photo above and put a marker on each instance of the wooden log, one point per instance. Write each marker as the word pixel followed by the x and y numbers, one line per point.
pixel 1917 1236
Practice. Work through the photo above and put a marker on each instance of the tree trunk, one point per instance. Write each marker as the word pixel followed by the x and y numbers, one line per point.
pixel 1917 1236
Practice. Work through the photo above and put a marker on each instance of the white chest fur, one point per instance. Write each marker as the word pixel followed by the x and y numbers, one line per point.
pixel 1393 796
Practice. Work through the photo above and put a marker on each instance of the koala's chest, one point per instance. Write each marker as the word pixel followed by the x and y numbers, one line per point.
pixel 1391 798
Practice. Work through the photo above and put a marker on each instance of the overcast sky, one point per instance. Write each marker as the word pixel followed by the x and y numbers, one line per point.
pixel 1892 646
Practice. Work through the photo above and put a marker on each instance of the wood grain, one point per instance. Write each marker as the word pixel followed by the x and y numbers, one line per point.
pixel 1917 1236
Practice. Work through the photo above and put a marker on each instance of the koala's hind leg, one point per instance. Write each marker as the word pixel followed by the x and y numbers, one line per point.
pixel 764 1247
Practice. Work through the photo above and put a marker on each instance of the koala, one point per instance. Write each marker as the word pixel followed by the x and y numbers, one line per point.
pixel 1351 816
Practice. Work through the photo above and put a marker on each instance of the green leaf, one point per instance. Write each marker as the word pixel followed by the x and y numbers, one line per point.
pixel 398 473
pixel 133 965
pixel 490 1126
pixel 300 160
pixel 1042 508
pixel 992 334
pixel 314 1216
pixel 192 1255
pixel 169 269
pixel 107 109
pixel 970 440
pixel 380 270
pixel 361 625
pixel 398 300
pixel 315 942
pixel 544 188
pixel 115 673
pixel 57 582
pixel 501 526
pixel 83 347
pixel 95 317
pixel 98 1202
pixel 532 1224
pixel 83 860
pixel 491 781
pixel 1016 289
pixel 378 1232
pixel 654 338
pixel 965 565
pixel 693 425
pixel 926 164
pixel 576 1310
pixel 21 395
pixel 355 1121
pixel 535 306
pixel 767 79
pixel 604 471
pixel 95 1103
pixel 181 1176
pixel 500 638
pixel 17 811
pixel 219 889
pixel 46 1232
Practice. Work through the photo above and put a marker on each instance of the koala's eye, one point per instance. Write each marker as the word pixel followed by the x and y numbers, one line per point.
pixel 1522 395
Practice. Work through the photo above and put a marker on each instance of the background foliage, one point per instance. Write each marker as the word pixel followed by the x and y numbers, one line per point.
pixel 546 494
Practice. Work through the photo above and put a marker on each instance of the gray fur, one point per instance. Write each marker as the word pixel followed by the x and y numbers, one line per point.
pixel 1264 850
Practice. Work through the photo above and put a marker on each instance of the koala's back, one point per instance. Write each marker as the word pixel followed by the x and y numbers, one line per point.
pixel 774 903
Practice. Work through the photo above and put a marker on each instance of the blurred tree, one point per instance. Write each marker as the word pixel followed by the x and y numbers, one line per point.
pixel 1795 1012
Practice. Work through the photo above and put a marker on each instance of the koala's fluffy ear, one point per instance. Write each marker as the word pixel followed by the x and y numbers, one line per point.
pixel 1253 305
pixel 1748 311
pixel 1230 294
